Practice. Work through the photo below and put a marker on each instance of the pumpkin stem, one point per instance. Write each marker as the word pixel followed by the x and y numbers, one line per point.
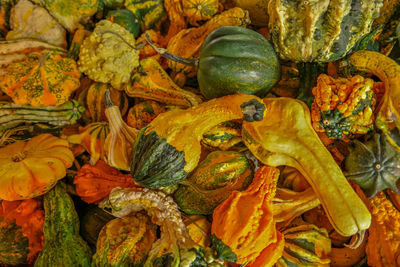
pixel 253 110
pixel 163 52
pixel 19 157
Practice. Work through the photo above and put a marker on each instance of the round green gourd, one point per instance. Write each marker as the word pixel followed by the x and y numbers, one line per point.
pixel 373 165
pixel 233 60
pixel 127 19
pixel 237 60
pixel 213 181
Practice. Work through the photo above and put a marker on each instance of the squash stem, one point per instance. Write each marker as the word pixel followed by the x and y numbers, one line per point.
pixel 309 72
pixel 163 52
pixel 107 97
pixel 138 47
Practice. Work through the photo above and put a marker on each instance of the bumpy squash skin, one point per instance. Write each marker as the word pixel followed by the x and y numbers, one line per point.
pixel 213 181
pixel 237 60
pixel 319 31
pixel 63 245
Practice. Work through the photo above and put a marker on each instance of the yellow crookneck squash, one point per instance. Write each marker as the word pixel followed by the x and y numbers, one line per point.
pixel 30 169
pixel 286 137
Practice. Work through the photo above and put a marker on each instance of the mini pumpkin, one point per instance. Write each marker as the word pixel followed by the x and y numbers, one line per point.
pixel 196 10
pixel 43 78
pixel 31 168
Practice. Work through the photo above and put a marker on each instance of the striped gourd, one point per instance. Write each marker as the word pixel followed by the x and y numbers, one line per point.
pixel 12 115
pixel 150 11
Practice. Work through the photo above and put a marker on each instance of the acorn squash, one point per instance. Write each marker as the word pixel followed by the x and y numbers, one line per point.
pixel 373 165
pixel 127 19
pixel 169 147
pixel 213 181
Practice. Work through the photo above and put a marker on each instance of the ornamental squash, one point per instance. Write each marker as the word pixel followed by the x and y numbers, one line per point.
pixel 91 223
pixel 126 19
pixel 286 137
pixel 169 147
pixel 258 10
pixel 143 113
pixel 196 10
pixel 388 71
pixel 213 181
pixel 343 107
pixel 374 165
pixel 21 231
pixel 30 169
pixel 63 246
pixel 43 78
pixel 218 73
pixel 244 223
pixel 305 245
pixel 150 11
pixel 125 241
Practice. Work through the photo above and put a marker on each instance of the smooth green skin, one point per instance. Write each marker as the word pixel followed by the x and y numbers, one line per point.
pixel 237 60
pixel 373 165
pixel 213 181
pixel 63 245
pixel 126 19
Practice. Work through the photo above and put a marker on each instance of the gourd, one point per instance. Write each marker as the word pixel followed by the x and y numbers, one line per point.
pixel 199 229
pixel 197 10
pixel 213 180
pixel 169 147
pixel 343 107
pixel 93 99
pixel 216 73
pixel 143 113
pixel 305 245
pixel 150 11
pixel 374 165
pixel 244 223
pixel 258 10
pixel 387 70
pixel 77 40
pixel 152 82
pixel 174 244
pixel 125 241
pixel 63 246
pixel 94 183
pixel 328 31
pixel 127 19
pixel 13 115
pixel 21 231
pixel 24 23
pixel 119 142
pixel 91 223
pixel 32 168
pixel 68 13
pixel 286 137
pixel 43 78
pixel 222 137
pixel 92 138
pixel 177 21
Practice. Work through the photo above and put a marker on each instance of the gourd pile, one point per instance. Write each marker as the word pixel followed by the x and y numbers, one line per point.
pixel 199 133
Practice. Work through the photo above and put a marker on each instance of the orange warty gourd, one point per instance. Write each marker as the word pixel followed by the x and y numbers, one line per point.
pixel 30 169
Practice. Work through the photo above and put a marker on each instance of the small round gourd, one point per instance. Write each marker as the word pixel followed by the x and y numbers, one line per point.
pixel 373 165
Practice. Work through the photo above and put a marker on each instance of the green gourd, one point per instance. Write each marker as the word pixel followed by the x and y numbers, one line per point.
pixel 213 181
pixel 127 19
pixel 63 246
pixel 150 11
pixel 234 60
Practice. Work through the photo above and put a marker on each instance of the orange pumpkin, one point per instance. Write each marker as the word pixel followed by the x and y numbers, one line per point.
pixel 196 10
pixel 43 78
pixel 29 169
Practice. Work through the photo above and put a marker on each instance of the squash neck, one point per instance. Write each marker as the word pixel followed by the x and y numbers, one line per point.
pixel 308 73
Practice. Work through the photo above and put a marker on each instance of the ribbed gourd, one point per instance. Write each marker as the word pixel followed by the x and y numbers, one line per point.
pixel 63 245
pixel 374 165
pixel 213 181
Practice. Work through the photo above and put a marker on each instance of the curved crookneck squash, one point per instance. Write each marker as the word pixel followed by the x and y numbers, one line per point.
pixel 286 137
pixel 386 69
pixel 169 148
pixel 63 246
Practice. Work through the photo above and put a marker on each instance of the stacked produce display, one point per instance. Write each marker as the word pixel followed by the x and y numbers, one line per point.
pixel 194 133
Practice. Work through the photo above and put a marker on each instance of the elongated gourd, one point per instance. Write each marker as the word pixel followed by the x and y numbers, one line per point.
pixel 169 148
pixel 12 115
pixel 386 69
pixel 286 137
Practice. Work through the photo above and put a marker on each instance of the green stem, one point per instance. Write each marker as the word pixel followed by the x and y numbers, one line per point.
pixel 308 73
pixel 163 52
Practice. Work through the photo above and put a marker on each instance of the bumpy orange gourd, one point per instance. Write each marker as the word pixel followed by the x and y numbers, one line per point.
pixel 244 222
pixel 94 183
pixel 29 169
pixel 143 113
pixel 44 78
pixel 196 10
